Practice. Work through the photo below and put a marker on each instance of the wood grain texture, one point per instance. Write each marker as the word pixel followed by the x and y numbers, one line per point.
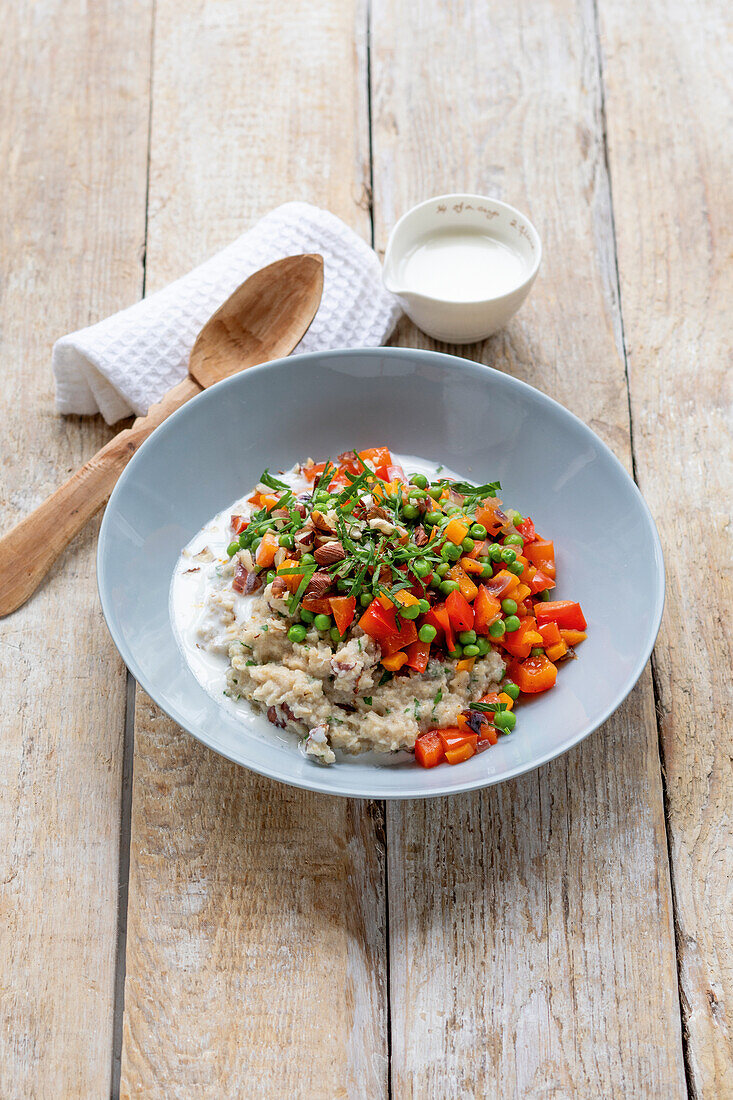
pixel 256 953
pixel 532 950
pixel 669 100
pixel 75 82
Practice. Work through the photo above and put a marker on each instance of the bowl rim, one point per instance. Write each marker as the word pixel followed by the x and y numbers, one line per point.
pixel 318 781
pixel 524 286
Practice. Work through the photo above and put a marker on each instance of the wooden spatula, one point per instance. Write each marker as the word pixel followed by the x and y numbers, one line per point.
pixel 263 319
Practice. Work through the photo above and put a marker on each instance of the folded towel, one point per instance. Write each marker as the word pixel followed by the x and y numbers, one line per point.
pixel 124 364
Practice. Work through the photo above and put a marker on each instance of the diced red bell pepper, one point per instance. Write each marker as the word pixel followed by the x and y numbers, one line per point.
pixel 438 616
pixel 459 611
pixel 378 622
pixel 550 633
pixel 417 655
pixel 486 610
pixel 405 635
pixel 533 675
pixel 239 524
pixel 565 613
pixel 526 530
pixel 536 580
pixel 429 749
pixel 319 605
pixel 541 553
pixel 310 473
pixel 452 737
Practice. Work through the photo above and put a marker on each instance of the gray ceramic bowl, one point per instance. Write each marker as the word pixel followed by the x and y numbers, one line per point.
pixel 475 420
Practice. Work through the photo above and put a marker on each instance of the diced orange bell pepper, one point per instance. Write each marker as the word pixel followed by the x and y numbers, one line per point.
pixel 573 637
pixel 379 456
pixel 343 609
pixel 456 530
pixel 506 700
pixel 520 642
pixel 533 675
pixel 536 580
pixel 292 580
pixel 267 549
pixel 470 565
pixel 461 753
pixel 521 592
pixel 465 664
pixel 486 610
pixel 268 501
pixel 405 597
pixel 466 586
pixel 541 553
pixel 486 514
pixel 429 749
pixel 555 652
pixel 394 661
pixel 310 473
pixel 239 524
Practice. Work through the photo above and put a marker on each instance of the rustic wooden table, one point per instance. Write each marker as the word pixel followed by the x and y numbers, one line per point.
pixel 173 926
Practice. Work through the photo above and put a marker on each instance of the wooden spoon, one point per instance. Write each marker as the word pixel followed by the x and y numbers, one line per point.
pixel 263 319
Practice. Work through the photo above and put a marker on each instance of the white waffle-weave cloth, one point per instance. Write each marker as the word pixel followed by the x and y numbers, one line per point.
pixel 125 363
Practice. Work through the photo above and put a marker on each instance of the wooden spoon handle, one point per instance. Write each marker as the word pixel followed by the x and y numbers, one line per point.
pixel 30 549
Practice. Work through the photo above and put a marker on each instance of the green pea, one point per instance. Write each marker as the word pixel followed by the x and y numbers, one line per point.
pixel 410 511
pixel 471 650
pixel 270 577
pixel 514 540
pixel 287 541
pixel 518 519
pixel 483 647
pixel 446 587
pixel 509 607
pixel 495 551
pixel 456 653
pixel 486 571
pixel 365 599
pixel 432 518
pixel 427 633
pixel 233 548
pixel 516 568
pixel 435 581
pixel 536 651
pixel 468 545
pixel 510 688
pixel 420 480
pixel 416 494
pixel 544 595
pixel 322 622
pixel 467 637
pixel 477 531
pixel 335 635
pixel 255 545
pixel 436 491
pixel 410 610
pixel 505 720
pixel 511 624
pixel 497 629
pixel 450 552
pixel 307 559
pixel 442 568
pixel 297 633
pixel 421 568
pixel 451 510
pixel 508 555
pixel 306 616
pixel 424 606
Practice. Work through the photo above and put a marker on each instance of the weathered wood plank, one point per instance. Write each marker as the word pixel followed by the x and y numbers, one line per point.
pixel 73 148
pixel 532 951
pixel 256 951
pixel 668 99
